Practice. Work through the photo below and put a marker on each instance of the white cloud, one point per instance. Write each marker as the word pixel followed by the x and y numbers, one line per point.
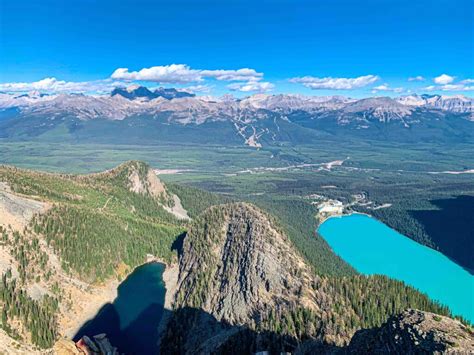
pixel 174 73
pixel 181 74
pixel 335 83
pixel 386 87
pixel 197 88
pixel 171 74
pixel 444 79
pixel 457 87
pixel 449 87
pixel 416 78
pixel 54 85
pixel 446 83
pixel 259 86
pixel 244 74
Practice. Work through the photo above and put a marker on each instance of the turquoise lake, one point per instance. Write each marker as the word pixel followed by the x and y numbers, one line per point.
pixel 371 247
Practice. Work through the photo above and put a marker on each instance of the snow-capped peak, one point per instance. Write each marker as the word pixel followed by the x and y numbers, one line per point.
pixel 456 103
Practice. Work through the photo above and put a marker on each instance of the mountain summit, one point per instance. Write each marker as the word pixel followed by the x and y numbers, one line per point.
pixel 134 92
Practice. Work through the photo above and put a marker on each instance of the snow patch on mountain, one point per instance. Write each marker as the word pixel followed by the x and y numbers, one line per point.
pixel 457 103
pixel 184 108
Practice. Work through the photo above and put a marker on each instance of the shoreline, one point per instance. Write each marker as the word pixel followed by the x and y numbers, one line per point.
pixel 169 277
pixel 320 222
pixel 170 280
pixel 86 308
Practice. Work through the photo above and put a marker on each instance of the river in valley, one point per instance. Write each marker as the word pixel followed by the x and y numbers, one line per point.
pixel 371 247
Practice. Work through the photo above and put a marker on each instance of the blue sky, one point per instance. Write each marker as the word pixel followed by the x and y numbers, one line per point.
pixel 339 46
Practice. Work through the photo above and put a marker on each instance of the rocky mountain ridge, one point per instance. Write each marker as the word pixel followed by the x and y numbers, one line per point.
pixel 246 263
pixel 255 120
pixel 415 332
pixel 243 288
pixel 142 100
pixel 136 92
pixel 51 278
pixel 456 103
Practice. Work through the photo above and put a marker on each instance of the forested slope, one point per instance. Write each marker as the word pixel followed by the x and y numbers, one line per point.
pixel 98 227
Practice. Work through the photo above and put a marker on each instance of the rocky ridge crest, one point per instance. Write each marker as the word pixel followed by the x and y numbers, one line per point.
pixel 415 332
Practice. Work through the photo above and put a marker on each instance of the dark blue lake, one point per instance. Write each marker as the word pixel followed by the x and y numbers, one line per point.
pixel 131 321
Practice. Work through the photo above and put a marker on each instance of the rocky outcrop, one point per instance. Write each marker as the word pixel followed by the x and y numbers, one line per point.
pixel 97 345
pixel 243 288
pixel 415 332
pixel 145 182
pixel 138 177
pixel 237 272
pixel 236 265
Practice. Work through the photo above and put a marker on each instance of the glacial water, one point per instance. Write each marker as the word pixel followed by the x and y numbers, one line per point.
pixel 371 247
pixel 131 321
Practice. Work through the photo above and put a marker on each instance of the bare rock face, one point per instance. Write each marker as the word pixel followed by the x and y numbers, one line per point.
pixel 142 182
pixel 236 266
pixel 141 179
pixel 415 332
pixel 97 345
pixel 239 280
pixel 136 176
pixel 236 270
pixel 66 347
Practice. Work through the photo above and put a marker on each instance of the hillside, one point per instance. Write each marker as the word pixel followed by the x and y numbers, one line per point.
pixel 66 240
pixel 245 280
pixel 104 209
pixel 243 288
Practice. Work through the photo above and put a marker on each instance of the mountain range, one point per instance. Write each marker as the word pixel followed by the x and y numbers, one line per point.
pixel 257 120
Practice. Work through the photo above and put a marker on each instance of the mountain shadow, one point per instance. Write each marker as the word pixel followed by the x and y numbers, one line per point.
pixel 178 244
pixel 140 337
pixel 451 228
pixel 131 322
pixel 194 331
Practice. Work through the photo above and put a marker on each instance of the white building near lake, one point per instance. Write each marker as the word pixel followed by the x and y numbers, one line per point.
pixel 331 207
